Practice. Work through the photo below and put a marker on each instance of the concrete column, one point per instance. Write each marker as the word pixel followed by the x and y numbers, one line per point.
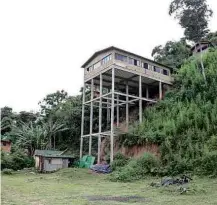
pixel 117 110
pixel 91 117
pixel 112 116
pixel 147 92
pixel 140 99
pixel 127 105
pixel 160 90
pixel 108 111
pixel 82 121
pixel 100 120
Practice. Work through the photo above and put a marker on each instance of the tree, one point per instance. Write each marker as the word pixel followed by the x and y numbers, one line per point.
pixel 26 117
pixel 30 137
pixel 51 128
pixel 7 119
pixel 193 16
pixel 173 54
pixel 51 101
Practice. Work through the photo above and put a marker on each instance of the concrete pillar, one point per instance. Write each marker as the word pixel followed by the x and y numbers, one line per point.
pixel 127 106
pixel 82 121
pixel 140 99
pixel 100 120
pixel 91 117
pixel 112 116
pixel 147 92
pixel 160 90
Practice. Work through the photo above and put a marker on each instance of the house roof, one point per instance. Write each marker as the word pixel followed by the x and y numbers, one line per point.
pixel 58 156
pixel 120 50
pixel 5 140
pixel 47 152
pixel 201 43
pixel 52 154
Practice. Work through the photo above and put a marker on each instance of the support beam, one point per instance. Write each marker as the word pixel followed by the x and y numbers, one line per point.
pixel 136 97
pixel 127 105
pixel 160 90
pixel 100 120
pixel 140 100
pixel 82 121
pixel 91 117
pixel 112 117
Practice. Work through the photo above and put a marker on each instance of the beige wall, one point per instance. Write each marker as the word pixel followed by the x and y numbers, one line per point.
pixel 131 68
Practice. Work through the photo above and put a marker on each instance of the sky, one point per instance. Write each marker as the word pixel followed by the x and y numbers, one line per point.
pixel 43 43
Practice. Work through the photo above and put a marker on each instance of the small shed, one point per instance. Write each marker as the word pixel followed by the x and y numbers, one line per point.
pixel 50 160
pixel 6 145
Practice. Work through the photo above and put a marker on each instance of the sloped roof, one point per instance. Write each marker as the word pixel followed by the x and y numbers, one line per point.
pixel 58 156
pixel 120 50
pixel 47 152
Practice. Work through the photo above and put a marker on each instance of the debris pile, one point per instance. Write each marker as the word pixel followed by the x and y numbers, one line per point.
pixel 101 168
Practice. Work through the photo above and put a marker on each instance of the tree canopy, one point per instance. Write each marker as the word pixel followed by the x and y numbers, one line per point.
pixel 193 16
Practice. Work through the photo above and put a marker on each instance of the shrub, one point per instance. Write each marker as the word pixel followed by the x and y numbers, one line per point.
pixel 119 161
pixel 16 161
pixel 136 169
pixel 209 164
pixel 7 171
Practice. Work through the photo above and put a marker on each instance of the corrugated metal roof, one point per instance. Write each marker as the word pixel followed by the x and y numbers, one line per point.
pixel 58 156
pixel 47 152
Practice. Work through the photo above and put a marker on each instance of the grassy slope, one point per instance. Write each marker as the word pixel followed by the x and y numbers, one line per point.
pixel 70 186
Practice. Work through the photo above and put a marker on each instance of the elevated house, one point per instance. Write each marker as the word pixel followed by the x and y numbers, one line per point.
pixel 118 81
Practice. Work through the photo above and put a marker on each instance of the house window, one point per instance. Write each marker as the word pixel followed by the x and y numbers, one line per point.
pixel 156 69
pixel 165 72
pixel 145 65
pixel 49 161
pixel 134 62
pixel 96 65
pixel 120 57
pixel 106 59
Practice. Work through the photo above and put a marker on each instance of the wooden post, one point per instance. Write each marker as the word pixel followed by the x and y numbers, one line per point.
pixel 160 90
pixel 100 120
pixel 127 105
pixel 112 116
pixel 140 99
pixel 82 121
pixel 91 117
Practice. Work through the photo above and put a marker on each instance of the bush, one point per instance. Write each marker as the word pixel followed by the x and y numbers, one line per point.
pixel 136 169
pixel 7 171
pixel 16 161
pixel 119 161
pixel 209 164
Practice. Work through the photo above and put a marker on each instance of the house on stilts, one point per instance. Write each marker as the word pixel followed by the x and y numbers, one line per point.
pixel 118 80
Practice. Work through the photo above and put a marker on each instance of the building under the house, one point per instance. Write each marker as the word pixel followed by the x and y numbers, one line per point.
pixel 119 81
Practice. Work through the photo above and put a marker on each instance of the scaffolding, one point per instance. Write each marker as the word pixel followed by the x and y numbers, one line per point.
pixel 117 89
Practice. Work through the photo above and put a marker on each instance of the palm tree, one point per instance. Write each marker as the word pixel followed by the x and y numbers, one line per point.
pixel 51 128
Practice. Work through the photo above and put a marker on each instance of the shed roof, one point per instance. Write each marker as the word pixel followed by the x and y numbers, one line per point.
pixel 120 50
pixel 47 152
pixel 58 156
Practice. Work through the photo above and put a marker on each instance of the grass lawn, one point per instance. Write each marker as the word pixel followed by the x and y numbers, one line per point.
pixel 80 187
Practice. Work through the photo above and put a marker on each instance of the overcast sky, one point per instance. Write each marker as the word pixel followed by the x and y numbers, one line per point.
pixel 43 43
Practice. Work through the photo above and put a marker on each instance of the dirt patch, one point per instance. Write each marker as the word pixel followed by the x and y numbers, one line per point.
pixel 118 198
